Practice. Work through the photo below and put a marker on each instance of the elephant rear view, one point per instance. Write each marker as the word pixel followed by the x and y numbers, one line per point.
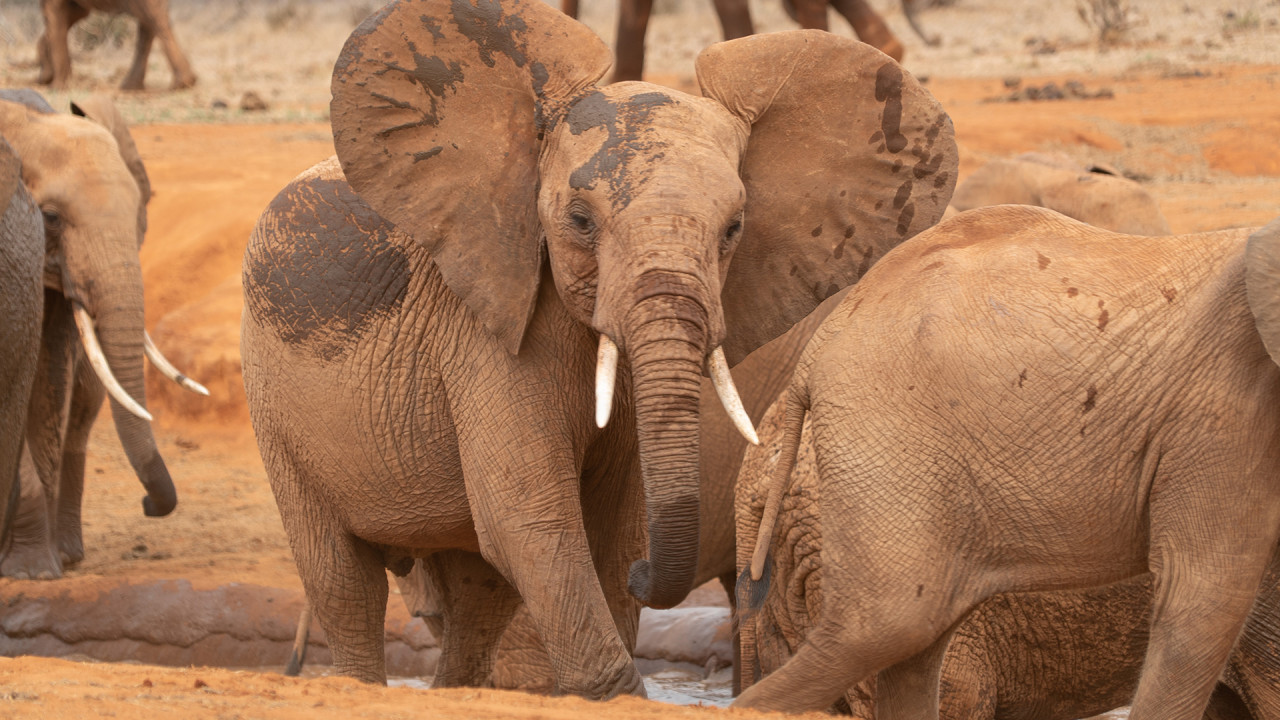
pixel 478 336
pixel 1016 401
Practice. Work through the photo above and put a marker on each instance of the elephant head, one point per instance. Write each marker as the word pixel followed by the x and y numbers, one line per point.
pixel 683 230
pixel 92 191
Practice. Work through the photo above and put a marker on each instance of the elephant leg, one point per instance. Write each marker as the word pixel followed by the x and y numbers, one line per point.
pixel 136 78
pixel 1207 569
pixel 613 514
pixel 476 604
pixel 570 8
pixel 735 18
pixel 344 578
pixel 811 14
pixel 522 662
pixel 30 549
pixel 183 75
pixel 59 16
pixel 910 689
pixel 45 58
pixel 547 558
pixel 86 402
pixel 870 27
pixel 633 22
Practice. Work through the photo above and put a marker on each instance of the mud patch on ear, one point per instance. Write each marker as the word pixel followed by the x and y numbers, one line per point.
pixel 322 266
pixel 624 161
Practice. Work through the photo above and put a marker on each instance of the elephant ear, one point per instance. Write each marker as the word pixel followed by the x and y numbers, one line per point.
pixel 10 175
pixel 103 111
pixel 1262 284
pixel 439 110
pixel 848 156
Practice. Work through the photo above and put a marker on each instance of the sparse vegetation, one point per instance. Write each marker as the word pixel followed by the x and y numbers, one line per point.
pixel 1111 19
pixel 1236 22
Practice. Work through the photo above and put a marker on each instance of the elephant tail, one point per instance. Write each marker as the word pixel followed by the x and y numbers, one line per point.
pixel 797 406
pixel 299 654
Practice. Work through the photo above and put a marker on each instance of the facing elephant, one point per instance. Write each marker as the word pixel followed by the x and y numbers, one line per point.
pixel 540 219
pixel 84 173
pixel 1049 655
pixel 1091 194
pixel 1021 441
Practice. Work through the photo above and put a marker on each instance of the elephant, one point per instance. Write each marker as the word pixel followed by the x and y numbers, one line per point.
pixel 1055 655
pixel 1092 194
pixel 1016 401
pixel 84 173
pixel 735 22
pixel 22 307
pixel 497 239
pixel 153 22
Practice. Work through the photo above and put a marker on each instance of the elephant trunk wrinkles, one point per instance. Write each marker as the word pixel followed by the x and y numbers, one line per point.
pixel 118 319
pixel 667 348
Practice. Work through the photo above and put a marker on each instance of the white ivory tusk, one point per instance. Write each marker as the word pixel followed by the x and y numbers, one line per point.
pixel 723 383
pixel 606 373
pixel 167 369
pixel 98 361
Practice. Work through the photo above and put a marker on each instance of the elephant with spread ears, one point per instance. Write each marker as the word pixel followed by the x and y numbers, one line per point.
pixel 1015 401
pixel 85 175
pixel 54 53
pixel 1057 655
pixel 477 337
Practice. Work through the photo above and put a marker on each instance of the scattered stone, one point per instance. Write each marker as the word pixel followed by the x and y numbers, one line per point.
pixel 146 682
pixel 1012 82
pixel 219 104
pixel 201 683
pixel 252 102
pixel 1070 90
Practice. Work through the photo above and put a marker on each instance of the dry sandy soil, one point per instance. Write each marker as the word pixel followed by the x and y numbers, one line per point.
pixel 1194 114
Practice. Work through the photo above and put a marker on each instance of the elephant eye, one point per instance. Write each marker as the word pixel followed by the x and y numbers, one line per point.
pixel 581 222
pixel 582 225
pixel 731 235
pixel 52 220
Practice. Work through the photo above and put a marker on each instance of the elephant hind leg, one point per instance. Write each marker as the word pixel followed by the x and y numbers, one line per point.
pixel 476 605
pixel 29 552
pixel 136 78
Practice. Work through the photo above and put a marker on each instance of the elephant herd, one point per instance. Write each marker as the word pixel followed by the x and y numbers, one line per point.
pixel 487 347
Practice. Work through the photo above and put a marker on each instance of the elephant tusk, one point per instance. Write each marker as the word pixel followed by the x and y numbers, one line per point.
pixel 98 361
pixel 606 373
pixel 167 369
pixel 723 383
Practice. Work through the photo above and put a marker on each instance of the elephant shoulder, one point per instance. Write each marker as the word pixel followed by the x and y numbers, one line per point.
pixel 321 265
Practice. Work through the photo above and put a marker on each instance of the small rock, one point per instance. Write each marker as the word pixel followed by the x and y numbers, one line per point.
pixel 252 102
pixel 1012 82
pixel 1051 92
pixel 200 683
pixel 146 682
pixel 219 104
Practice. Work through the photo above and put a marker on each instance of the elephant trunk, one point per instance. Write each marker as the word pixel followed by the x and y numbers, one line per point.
pixel 117 308
pixel 667 348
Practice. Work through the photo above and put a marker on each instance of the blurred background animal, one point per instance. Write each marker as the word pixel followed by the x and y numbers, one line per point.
pixel 54 53
pixel 1093 194
pixel 86 176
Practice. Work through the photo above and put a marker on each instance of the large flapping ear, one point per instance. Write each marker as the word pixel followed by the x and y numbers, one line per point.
pixel 848 156
pixel 102 110
pixel 439 109
pixel 1262 284
pixel 10 175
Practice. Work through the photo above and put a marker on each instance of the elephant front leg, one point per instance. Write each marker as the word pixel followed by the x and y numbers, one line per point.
pixel 59 16
pixel 29 552
pixel 530 528
pixel 183 75
pixel 344 578
pixel 86 401
pixel 476 605
pixel 137 75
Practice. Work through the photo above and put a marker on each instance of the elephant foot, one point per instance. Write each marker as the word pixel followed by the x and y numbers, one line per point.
pixel 184 82
pixel 71 551
pixel 30 562
pixel 131 84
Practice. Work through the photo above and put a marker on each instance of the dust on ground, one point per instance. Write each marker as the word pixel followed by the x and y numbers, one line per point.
pixel 1193 114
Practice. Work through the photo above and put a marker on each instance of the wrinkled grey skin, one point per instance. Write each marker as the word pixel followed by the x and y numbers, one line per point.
pixel 21 307
pixel 986 418
pixel 84 172
pixel 1050 656
pixel 1091 194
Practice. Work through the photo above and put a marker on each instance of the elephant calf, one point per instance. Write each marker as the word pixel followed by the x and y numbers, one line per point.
pixel 1016 401
pixel 1050 655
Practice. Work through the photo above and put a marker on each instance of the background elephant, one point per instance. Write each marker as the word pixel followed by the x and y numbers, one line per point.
pixel 1050 655
pixel 1092 194
pixel 1002 423
pixel 21 306
pixel 735 22
pixel 450 355
pixel 153 22
pixel 85 174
